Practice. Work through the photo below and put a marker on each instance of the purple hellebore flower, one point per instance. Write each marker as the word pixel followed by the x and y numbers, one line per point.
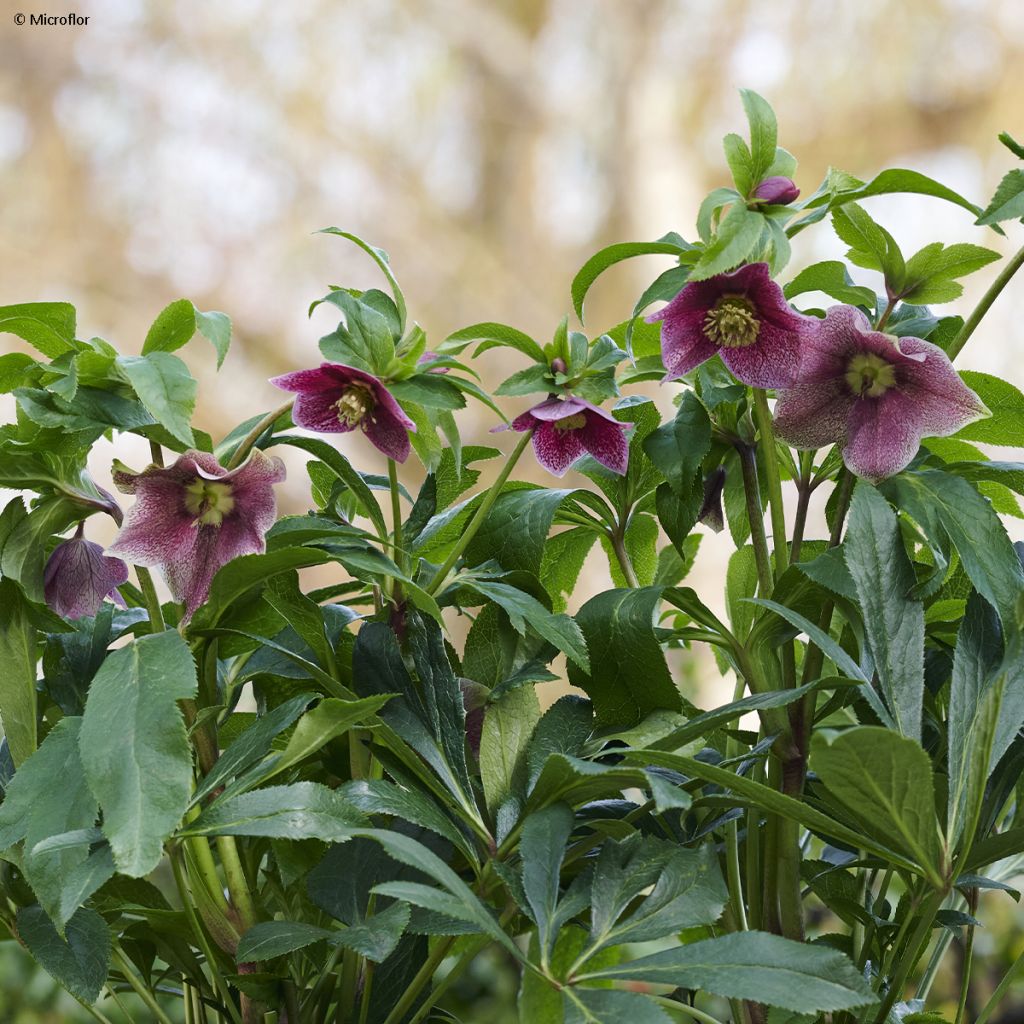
pixel 79 577
pixel 195 516
pixel 874 394
pixel 777 190
pixel 335 399
pixel 744 317
pixel 566 428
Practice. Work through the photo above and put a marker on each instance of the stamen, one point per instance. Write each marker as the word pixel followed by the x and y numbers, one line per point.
pixel 732 322
pixel 869 375
pixel 209 501
pixel 575 422
pixel 356 401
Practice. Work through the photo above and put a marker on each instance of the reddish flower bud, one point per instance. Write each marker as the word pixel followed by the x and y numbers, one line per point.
pixel 558 365
pixel 777 190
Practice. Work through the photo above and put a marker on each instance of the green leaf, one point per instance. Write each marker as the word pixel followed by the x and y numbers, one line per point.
pixel 216 328
pixel 493 335
pixel 267 939
pixel 678 448
pixel 893 622
pixel 885 781
pixel 606 1006
pixel 932 272
pixel 79 961
pixel 18 678
pixel 135 753
pixel 46 326
pixel 941 502
pixel 628 677
pixel 559 630
pixel 380 257
pixel 1008 201
pixel 756 966
pixel 670 245
pixel 738 235
pixel 166 388
pixel 871 246
pixel 832 278
pixel 542 849
pixel 177 324
pixel 302 810
pixel 1006 404
pixel 563 729
pixel 508 726
pixel 763 133
pixel 741 164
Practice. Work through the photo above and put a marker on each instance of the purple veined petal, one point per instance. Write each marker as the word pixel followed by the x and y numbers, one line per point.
pixel 605 439
pixel 556 450
pixel 942 402
pixel 191 570
pixel 882 437
pixel 386 402
pixel 523 422
pixel 79 577
pixel 318 411
pixel 158 525
pixel 684 346
pixel 306 381
pixel 773 361
pixel 252 488
pixel 388 433
pixel 814 414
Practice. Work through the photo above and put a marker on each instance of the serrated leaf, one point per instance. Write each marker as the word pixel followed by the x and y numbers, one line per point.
pixel 735 241
pixel 1008 201
pixel 79 961
pixel 508 726
pixel 166 388
pixel 832 278
pixel 18 679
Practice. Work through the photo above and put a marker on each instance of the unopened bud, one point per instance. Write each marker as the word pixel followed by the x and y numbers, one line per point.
pixel 558 365
pixel 778 191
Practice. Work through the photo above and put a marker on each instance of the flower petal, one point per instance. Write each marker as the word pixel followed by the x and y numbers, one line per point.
pixel 773 361
pixel 883 436
pixel 78 577
pixel 318 411
pixel 557 450
pixel 684 345
pixel 553 409
pixel 606 441
pixel 158 525
pixel 813 414
pixel 388 433
pixel 307 381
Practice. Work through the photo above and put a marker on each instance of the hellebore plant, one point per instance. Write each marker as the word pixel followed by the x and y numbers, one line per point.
pixel 451 765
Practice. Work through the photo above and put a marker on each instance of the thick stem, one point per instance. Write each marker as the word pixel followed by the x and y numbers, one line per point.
pixel 241 452
pixel 238 885
pixel 773 480
pixel 686 1010
pixel 152 601
pixel 622 556
pixel 420 981
pixel 1011 268
pixel 121 962
pixel 965 976
pixel 396 515
pixel 748 466
pixel 481 514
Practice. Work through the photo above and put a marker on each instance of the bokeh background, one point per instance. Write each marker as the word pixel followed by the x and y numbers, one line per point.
pixel 189 149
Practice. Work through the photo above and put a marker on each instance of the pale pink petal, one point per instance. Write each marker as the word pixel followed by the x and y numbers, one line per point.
pixel 883 436
pixel 813 414
pixel 554 409
pixel 557 450
pixel 773 361
pixel 307 381
pixel 158 525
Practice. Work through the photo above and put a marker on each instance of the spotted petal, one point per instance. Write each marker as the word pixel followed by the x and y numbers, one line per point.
pixel 79 577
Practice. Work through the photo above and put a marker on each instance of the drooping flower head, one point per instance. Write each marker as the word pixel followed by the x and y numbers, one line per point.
pixel 78 578
pixel 873 394
pixel 744 317
pixel 335 399
pixel 195 516
pixel 567 428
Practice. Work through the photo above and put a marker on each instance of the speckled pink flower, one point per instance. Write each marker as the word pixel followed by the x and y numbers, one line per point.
pixel 195 516
pixel 78 578
pixel 873 394
pixel 334 399
pixel 567 428
pixel 744 317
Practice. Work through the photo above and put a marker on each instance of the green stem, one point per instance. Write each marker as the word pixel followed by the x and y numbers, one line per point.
pixel 622 556
pixel 121 962
pixel 1011 268
pixel 965 976
pixel 481 514
pixel 241 452
pixel 149 596
pixel 396 515
pixel 364 1002
pixel 748 466
pixel 238 886
pixel 686 1010
pixel 1001 989
pixel 94 1011
pixel 773 480
pixel 420 981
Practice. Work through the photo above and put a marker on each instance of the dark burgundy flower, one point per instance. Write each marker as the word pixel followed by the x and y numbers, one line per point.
pixel 873 394
pixel 335 399
pixel 777 190
pixel 195 516
pixel 743 316
pixel 567 428
pixel 78 578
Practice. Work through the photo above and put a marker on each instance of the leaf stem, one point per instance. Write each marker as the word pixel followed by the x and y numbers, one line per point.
pixel 396 515
pixel 773 480
pixel 152 601
pixel 748 466
pixel 965 976
pixel 237 884
pixel 241 452
pixel 422 978
pixel 622 556
pixel 990 296
pixel 686 1010
pixel 147 997
pixel 481 514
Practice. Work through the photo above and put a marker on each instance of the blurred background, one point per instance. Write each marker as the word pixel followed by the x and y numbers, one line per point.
pixel 189 150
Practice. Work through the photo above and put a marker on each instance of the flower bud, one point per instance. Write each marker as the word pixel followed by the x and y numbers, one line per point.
pixel 558 365
pixel 474 699
pixel 778 191
pixel 711 513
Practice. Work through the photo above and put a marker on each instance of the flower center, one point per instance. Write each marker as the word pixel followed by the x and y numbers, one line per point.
pixel 732 322
pixel 575 422
pixel 208 501
pixel 355 402
pixel 870 376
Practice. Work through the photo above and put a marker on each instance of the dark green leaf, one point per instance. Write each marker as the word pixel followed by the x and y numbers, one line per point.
pixel 18 678
pixel 166 388
pixel 1008 201
pixel 79 961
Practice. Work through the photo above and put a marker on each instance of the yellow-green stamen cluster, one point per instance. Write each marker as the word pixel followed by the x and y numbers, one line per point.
pixel 574 422
pixel 209 501
pixel 869 375
pixel 354 404
pixel 732 322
